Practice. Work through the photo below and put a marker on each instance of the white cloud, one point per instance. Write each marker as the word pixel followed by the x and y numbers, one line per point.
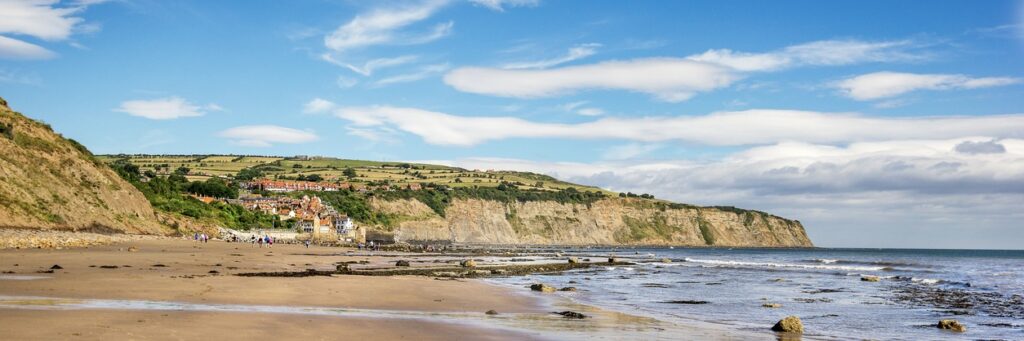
pixel 17 49
pixel 499 5
pixel 423 72
pixel 822 53
pixel 267 135
pixel 167 108
pixel 380 26
pixel 668 79
pixel 590 112
pixel 749 127
pixel 317 105
pixel 47 20
pixel 574 53
pixel 889 84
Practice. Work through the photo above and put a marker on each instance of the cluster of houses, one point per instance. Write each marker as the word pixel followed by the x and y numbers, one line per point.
pixel 310 214
pixel 280 186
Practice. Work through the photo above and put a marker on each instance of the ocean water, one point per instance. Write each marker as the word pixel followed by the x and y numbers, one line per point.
pixel 983 289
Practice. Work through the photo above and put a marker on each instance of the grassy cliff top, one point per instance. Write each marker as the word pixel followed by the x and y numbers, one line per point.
pixel 399 173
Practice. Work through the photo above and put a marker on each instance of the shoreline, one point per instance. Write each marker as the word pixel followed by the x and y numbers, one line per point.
pixel 174 271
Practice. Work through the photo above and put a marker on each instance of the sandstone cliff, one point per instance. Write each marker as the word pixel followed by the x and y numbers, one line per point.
pixel 613 221
pixel 49 182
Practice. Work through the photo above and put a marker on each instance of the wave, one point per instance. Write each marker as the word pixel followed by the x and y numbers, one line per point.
pixel 732 263
pixel 862 262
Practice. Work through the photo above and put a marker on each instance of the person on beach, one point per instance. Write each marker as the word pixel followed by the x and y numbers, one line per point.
pixel 260 241
pixel 270 242
pixel 307 243
pixel 195 237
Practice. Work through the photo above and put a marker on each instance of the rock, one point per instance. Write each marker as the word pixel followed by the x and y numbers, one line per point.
pixel 567 289
pixel 573 260
pixel 612 260
pixel 469 263
pixel 342 267
pixel 480 272
pixel 542 287
pixel 666 260
pixel 687 302
pixel 445 274
pixel 491 312
pixel 133 249
pixel 402 263
pixel 499 272
pixel 771 305
pixel 108 266
pixel 56 267
pixel 870 279
pixel 214 272
pixel 571 314
pixel 952 325
pixel 790 324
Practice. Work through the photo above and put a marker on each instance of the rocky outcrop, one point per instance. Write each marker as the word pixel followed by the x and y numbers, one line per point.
pixel 52 183
pixel 612 221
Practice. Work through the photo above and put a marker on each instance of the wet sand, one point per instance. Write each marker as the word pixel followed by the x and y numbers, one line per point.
pixel 185 277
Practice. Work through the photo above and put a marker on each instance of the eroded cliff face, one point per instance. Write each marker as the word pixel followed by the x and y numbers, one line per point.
pixel 614 221
pixel 48 182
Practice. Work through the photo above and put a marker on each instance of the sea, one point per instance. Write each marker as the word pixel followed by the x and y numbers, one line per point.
pixel 729 288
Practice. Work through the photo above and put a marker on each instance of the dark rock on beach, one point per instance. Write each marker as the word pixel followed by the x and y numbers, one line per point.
pixel 952 325
pixel 571 314
pixel 790 324
pixel 542 287
pixel 402 263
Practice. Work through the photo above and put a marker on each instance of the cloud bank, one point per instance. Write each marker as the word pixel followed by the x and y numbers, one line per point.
pixel 733 128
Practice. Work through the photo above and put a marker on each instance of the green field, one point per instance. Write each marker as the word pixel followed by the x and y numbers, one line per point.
pixel 202 167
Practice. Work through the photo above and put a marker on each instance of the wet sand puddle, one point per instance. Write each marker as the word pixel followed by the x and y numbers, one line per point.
pixel 600 324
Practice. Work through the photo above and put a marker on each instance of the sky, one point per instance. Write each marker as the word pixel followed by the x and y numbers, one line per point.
pixel 874 123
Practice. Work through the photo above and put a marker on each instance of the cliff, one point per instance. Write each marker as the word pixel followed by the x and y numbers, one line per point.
pixel 613 221
pixel 49 182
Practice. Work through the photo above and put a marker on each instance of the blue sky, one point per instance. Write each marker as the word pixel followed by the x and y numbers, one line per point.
pixel 876 123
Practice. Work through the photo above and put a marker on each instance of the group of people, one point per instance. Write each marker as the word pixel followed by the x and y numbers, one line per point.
pixel 200 238
pixel 265 239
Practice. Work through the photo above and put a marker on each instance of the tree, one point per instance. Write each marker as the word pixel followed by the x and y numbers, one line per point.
pixel 314 178
pixel 182 170
pixel 349 173
pixel 248 174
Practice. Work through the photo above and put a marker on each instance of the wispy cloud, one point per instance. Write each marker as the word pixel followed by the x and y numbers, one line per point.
pixel 630 151
pixel 267 135
pixel 889 84
pixel 423 72
pixel 500 5
pixel 370 66
pixel 749 127
pixel 47 20
pixel 818 53
pixel 317 105
pixel 167 108
pixel 668 79
pixel 574 53
pixel 382 26
pixel 580 109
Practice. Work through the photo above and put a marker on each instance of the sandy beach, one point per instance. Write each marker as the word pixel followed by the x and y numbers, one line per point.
pixel 175 270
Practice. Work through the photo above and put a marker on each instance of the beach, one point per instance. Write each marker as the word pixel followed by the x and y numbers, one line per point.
pixel 174 288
